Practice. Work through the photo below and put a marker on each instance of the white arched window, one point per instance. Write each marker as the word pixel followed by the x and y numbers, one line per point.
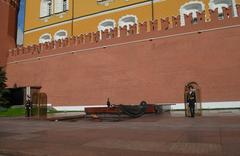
pixel 61 34
pixel 45 38
pixel 219 4
pixel 46 8
pixel 61 6
pixel 106 24
pixel 127 20
pixel 191 7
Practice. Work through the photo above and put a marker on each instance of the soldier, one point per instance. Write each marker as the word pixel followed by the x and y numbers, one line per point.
pixel 108 103
pixel 191 99
pixel 28 106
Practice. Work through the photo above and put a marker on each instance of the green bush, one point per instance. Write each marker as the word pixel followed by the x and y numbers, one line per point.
pixel 3 91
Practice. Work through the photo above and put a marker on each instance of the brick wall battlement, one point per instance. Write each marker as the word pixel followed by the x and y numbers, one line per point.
pixel 146 30
pixel 13 3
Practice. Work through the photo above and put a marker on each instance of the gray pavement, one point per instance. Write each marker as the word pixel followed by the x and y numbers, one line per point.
pixel 216 133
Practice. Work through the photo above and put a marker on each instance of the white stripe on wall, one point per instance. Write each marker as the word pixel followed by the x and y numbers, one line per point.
pixel 75 108
pixel 178 106
pixel 51 26
pixel 211 105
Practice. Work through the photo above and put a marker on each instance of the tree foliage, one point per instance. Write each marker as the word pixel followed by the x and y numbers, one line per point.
pixel 3 90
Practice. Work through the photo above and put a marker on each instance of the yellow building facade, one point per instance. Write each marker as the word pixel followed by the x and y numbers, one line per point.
pixel 47 20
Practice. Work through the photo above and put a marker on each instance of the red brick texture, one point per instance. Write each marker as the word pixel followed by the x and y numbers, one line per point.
pixel 8 12
pixel 135 67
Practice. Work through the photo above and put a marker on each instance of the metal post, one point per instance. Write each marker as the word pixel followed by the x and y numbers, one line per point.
pixel 152 4
pixel 72 16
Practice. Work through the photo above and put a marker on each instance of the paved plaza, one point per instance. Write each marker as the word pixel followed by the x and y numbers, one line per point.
pixel 216 133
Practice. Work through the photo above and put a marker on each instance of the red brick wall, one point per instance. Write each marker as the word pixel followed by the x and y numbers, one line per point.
pixel 155 70
pixel 7 29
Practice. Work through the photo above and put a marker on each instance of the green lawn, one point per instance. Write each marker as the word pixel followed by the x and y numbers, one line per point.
pixel 12 112
pixel 15 112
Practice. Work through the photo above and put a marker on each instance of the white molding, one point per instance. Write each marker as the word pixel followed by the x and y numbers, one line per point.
pixel 235 12
pixel 58 6
pixel 47 27
pixel 187 12
pixel 121 23
pixel 44 8
pixel 56 37
pixel 213 6
pixel 46 34
pixel 104 2
pixel 106 20
pixel 102 28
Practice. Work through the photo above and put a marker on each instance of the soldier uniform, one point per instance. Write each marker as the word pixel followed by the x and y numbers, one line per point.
pixel 191 99
pixel 108 103
pixel 28 107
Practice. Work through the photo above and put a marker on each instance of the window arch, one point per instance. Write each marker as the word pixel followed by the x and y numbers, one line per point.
pixel 45 38
pixel 61 6
pixel 127 21
pixel 46 8
pixel 61 34
pixel 219 4
pixel 191 7
pixel 106 24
